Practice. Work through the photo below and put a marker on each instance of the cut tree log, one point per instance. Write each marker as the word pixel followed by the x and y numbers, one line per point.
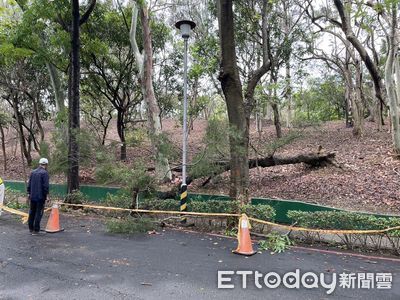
pixel 313 159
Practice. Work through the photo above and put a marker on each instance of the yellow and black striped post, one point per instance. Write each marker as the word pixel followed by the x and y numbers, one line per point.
pixel 183 201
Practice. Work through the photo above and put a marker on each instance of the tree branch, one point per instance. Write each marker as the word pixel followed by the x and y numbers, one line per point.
pixel 87 13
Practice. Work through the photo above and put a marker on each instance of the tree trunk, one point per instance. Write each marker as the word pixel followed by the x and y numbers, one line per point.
pixel 24 149
pixel 350 36
pixel 59 94
pixel 390 83
pixel 353 94
pixel 288 94
pixel 3 147
pixel 163 171
pixel 121 133
pixel 313 159
pixel 37 120
pixel 73 102
pixel 145 64
pixel 349 119
pixel 359 103
pixel 277 121
pixel 232 89
pixel 288 79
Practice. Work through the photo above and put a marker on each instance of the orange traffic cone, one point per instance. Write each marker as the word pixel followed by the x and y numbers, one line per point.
pixel 245 246
pixel 53 225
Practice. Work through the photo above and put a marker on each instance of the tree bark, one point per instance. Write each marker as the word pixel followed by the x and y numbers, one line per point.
pixel 390 83
pixel 3 147
pixel 369 63
pixel 37 119
pixel 353 95
pixel 277 121
pixel 19 119
pixel 59 94
pixel 232 89
pixel 313 159
pixel 274 104
pixel 145 63
pixel 74 102
pixel 121 133
pixel 74 94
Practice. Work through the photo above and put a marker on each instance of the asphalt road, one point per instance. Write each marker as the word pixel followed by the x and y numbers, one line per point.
pixel 84 262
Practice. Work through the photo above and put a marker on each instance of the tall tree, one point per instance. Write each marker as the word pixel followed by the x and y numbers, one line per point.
pixel 392 70
pixel 73 90
pixel 239 107
pixel 232 89
pixel 345 25
pixel 144 61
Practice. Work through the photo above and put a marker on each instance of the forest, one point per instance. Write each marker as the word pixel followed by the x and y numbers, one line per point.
pixel 289 99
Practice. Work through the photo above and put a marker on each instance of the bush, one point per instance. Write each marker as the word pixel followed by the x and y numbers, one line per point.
pixel 12 199
pixel 259 211
pixel 263 212
pixel 342 220
pixel 339 220
pixel 155 204
pixel 77 197
pixel 130 226
pixel 122 200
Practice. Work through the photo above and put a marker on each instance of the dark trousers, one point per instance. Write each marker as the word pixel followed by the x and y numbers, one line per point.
pixel 35 215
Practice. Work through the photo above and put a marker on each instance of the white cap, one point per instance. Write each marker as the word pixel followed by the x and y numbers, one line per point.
pixel 43 161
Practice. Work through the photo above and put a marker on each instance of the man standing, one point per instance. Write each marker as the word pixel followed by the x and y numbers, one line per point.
pixel 38 188
pixel 2 188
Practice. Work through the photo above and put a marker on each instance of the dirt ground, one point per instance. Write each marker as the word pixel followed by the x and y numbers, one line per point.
pixel 368 180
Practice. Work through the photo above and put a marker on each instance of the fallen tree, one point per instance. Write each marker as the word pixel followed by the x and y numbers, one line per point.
pixel 312 159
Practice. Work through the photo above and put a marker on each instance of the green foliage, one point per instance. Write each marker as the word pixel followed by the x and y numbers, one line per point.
pixel 232 232
pixel 342 220
pixel 136 137
pixel 77 197
pixel 323 100
pixel 130 225
pixel 88 145
pixel 132 178
pixel 13 199
pixel 5 119
pixel 276 243
pixel 263 212
pixel 259 211
pixel 155 204
pixel 122 200
pixel 166 147
pixel 216 140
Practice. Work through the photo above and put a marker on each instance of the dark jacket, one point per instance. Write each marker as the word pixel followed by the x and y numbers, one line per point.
pixel 38 186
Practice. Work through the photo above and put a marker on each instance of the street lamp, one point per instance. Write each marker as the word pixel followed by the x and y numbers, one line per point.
pixel 185 26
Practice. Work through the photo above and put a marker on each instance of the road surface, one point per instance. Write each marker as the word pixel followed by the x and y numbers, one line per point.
pixel 85 262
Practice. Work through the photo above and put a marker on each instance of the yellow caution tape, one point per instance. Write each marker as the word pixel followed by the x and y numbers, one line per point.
pixel 328 231
pixel 152 211
pixel 16 212
pixel 202 214
pixel 288 227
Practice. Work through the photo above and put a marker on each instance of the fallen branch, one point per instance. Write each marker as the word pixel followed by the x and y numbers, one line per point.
pixel 314 159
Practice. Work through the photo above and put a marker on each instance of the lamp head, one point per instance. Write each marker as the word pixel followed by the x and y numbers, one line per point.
pixel 185 26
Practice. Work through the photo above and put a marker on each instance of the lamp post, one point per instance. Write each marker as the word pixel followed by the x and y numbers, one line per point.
pixel 185 27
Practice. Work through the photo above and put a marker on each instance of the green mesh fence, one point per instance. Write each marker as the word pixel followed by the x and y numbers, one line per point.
pixel 98 193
